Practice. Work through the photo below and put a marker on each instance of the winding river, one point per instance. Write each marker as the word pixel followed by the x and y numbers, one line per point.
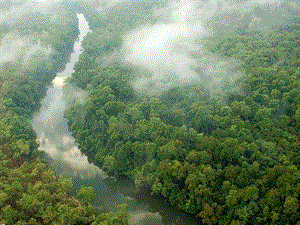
pixel 66 158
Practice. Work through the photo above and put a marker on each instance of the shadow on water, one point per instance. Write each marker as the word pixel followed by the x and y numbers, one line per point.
pixel 66 158
pixel 156 204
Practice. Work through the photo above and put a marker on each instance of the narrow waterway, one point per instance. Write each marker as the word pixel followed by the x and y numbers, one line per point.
pixel 66 158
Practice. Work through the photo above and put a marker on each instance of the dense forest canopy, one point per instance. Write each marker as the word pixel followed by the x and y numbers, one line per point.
pixel 34 47
pixel 228 158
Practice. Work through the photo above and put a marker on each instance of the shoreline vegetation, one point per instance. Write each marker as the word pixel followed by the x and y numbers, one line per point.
pixel 30 193
pixel 228 159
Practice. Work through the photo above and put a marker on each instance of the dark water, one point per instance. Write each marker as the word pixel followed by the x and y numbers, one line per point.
pixel 155 203
pixel 66 158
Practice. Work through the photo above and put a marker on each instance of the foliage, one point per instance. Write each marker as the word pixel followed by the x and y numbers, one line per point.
pixel 30 193
pixel 228 162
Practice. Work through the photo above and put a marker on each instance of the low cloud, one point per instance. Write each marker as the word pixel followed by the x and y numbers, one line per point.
pixel 164 48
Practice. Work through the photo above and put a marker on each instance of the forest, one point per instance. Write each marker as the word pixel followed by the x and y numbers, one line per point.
pixel 30 192
pixel 226 158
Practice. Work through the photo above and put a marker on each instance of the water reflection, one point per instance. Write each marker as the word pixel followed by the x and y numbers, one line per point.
pixel 56 140
pixel 66 158
pixel 167 214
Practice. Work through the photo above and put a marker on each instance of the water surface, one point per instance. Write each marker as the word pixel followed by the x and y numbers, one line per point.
pixel 66 158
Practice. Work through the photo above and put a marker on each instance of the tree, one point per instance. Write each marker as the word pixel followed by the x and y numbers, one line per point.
pixel 86 194
pixel 291 205
pixel 172 150
pixel 211 213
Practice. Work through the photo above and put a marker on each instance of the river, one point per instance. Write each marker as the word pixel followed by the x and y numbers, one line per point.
pixel 66 158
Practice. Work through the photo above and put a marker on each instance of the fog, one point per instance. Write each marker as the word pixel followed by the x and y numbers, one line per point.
pixel 25 50
pixel 50 124
pixel 164 48
pixel 22 41
pixel 65 156
pixel 171 53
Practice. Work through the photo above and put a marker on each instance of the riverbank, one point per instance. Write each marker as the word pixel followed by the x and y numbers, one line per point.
pixel 30 192
pixel 171 214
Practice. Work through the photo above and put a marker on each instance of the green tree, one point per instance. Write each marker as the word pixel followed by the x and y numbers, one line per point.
pixel 86 194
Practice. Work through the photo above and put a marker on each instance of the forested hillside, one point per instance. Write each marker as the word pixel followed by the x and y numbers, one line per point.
pixel 227 159
pixel 30 193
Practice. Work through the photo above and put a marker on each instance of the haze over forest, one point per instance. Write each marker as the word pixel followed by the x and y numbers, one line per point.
pixel 195 103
